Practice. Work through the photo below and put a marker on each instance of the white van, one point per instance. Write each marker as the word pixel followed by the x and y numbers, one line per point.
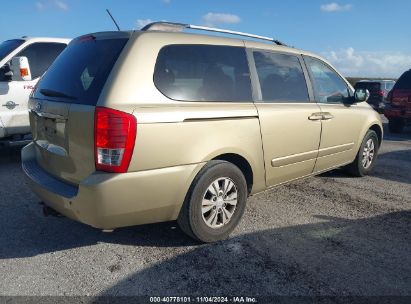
pixel 16 85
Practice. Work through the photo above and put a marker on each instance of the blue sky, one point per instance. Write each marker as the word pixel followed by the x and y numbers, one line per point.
pixel 360 37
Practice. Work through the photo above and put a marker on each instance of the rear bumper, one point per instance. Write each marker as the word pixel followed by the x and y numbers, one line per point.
pixel 108 201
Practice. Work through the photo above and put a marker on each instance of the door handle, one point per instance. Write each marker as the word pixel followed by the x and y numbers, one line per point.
pixel 316 116
pixel 327 116
pixel 321 116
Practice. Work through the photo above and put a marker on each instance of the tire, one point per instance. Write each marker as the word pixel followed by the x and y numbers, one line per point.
pixel 396 125
pixel 357 167
pixel 192 218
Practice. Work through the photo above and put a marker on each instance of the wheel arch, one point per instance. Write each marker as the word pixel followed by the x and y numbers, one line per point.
pixel 377 129
pixel 243 164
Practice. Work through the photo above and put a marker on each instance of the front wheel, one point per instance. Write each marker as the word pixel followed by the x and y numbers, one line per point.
pixel 367 154
pixel 215 202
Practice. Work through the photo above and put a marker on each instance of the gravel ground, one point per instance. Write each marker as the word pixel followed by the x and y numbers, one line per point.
pixel 325 235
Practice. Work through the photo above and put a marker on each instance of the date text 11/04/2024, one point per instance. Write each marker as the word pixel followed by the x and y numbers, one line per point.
pixel 203 300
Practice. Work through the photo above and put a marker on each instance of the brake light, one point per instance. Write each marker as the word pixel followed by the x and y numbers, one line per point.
pixel 114 138
pixel 87 38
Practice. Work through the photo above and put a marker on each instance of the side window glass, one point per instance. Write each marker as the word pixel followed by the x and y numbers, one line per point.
pixel 6 48
pixel 203 73
pixel 41 55
pixel 328 85
pixel 5 68
pixel 281 77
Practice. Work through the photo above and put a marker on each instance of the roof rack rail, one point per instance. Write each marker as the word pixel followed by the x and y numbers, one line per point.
pixel 178 27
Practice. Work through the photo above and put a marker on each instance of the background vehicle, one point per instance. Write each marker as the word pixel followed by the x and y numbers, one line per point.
pixel 398 110
pixel 154 125
pixel 378 92
pixel 15 91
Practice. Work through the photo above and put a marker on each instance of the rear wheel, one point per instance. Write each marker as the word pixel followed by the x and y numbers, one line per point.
pixel 396 125
pixel 215 202
pixel 367 154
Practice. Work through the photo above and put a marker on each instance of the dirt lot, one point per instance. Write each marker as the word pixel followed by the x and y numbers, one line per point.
pixel 326 235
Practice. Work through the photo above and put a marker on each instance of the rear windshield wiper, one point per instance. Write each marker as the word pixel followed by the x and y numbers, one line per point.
pixel 53 93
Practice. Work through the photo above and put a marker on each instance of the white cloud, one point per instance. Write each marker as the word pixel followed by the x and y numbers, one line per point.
pixel 211 19
pixel 369 64
pixel 56 4
pixel 61 5
pixel 335 7
pixel 143 22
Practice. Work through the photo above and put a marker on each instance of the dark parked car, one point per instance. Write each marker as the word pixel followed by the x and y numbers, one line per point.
pixel 378 92
pixel 398 109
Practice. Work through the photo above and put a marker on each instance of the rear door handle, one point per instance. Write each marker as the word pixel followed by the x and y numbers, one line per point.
pixel 316 116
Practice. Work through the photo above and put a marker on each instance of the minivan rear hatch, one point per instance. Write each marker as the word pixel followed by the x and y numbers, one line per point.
pixel 63 105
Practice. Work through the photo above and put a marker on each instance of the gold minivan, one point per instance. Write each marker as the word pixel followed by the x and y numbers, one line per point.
pixel 159 124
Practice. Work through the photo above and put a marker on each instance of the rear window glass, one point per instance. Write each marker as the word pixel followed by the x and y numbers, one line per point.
pixel 203 73
pixel 371 86
pixel 404 82
pixel 9 46
pixel 80 72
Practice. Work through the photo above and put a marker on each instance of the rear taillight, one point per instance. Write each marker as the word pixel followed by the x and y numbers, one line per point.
pixel 114 137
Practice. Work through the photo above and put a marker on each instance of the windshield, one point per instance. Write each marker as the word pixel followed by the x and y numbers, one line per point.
pixel 9 46
pixel 80 72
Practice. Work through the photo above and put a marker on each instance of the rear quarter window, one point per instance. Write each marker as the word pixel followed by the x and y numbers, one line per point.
pixel 203 73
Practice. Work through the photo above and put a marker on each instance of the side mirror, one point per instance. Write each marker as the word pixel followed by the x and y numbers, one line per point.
pixel 361 95
pixel 20 68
